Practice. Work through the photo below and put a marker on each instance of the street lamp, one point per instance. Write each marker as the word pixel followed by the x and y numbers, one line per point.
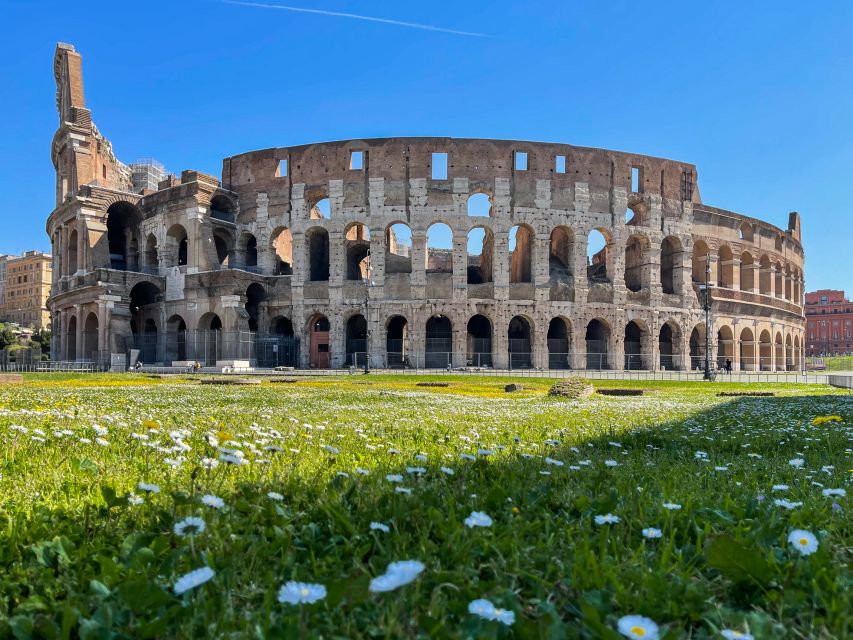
pixel 707 307
pixel 367 314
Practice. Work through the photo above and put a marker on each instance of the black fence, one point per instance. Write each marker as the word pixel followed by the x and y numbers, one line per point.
pixel 209 348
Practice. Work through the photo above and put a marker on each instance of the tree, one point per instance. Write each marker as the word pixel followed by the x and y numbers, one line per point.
pixel 6 336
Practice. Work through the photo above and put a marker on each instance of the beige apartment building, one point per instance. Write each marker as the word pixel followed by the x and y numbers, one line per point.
pixel 26 289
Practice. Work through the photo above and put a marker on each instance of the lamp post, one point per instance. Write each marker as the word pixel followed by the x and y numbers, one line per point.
pixel 707 306
pixel 367 315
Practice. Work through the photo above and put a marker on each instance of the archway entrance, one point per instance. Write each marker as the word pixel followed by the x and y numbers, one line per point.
pixel 356 341
pixel 90 338
pixel 519 343
pixel 479 342
pixel 71 339
pixel 438 350
pixel 559 344
pixel 597 338
pixel 666 347
pixel 633 347
pixel 747 350
pixel 319 356
pixel 697 347
pixel 397 343
pixel 725 347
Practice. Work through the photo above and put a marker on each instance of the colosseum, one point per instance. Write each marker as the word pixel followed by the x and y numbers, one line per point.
pixel 410 252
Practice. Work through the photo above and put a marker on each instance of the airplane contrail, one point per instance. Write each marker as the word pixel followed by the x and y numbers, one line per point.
pixel 339 14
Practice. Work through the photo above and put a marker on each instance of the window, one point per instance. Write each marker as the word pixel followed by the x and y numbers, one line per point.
pixel 560 164
pixel 104 171
pixel 635 179
pixel 282 168
pixel 521 161
pixel 356 160
pixel 823 299
pixel 439 166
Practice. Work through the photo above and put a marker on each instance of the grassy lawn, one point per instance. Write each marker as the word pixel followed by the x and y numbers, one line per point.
pixel 286 480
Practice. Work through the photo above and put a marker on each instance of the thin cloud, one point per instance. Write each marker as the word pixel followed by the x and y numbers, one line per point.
pixel 355 16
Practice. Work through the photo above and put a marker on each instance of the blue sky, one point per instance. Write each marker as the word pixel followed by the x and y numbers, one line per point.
pixel 758 95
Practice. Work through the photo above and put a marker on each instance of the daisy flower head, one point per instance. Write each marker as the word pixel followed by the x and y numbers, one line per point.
pixel 611 463
pixel 193 579
pixel 651 533
pixel 301 593
pixel 478 519
pixel 274 495
pixel 834 492
pixel 488 611
pixel 672 506
pixel 213 501
pixel 797 463
pixel 150 488
pixel 607 518
pixel 638 627
pixel 734 634
pixel 189 526
pixel 396 575
pixel 803 541
pixel 378 526
pixel 134 499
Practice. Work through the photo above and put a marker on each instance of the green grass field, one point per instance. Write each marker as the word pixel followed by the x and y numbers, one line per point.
pixel 288 478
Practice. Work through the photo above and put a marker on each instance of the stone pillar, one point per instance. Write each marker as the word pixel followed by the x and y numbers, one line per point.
pixel 579 268
pixel 578 346
pixel 78 337
pixel 500 341
pixel 460 266
pixel 539 344
pixel 753 269
pixel 337 258
pixel 418 259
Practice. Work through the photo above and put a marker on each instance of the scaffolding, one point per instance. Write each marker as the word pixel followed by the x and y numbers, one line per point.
pixel 146 174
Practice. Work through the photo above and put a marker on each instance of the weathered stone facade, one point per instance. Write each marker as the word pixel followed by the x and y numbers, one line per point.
pixel 296 240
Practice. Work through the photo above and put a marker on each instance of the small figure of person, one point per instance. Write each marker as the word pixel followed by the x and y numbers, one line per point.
pixel 728 365
pixel 138 366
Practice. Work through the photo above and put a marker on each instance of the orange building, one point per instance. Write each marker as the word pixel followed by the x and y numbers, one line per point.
pixel 829 323
pixel 28 280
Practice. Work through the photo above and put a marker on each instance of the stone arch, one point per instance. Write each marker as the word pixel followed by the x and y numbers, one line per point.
pixel 599 255
pixel 636 345
pixel 726 267
pixel 701 257
pixel 151 262
pixel 765 351
pixel 747 271
pixel 521 253
pixel 282 246
pixel 397 342
pixel 319 345
pixel 597 344
pixel 122 235
pixel 561 254
pixel 480 205
pixel 438 345
pixel 282 326
pixel 209 339
pixel 725 346
pixel 559 343
pixel 247 251
pixel 356 341
pixel 520 343
pixel 398 248
pixel 765 275
pixel 788 283
pixel 637 212
pixel 779 352
pixel 223 242
pixel 669 346
pixel 177 246
pixel 209 321
pixel 256 295
pixel 321 209
pixel 176 339
pixel 747 356
pixel 698 347
pixel 71 338
pixel 357 244
pixel 71 265
pixel 745 232
pixel 637 262
pixel 779 276
pixel 317 244
pixel 480 251
pixel 670 265
pixel 90 337
pixel 439 248
pixel 478 341
pixel 224 208
pixel 789 353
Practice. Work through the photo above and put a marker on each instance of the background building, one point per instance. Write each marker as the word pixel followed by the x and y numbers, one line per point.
pixel 829 323
pixel 27 288
pixel 3 260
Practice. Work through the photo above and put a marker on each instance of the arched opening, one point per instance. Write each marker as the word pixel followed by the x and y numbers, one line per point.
pixel 698 348
pixel 765 275
pixel 322 210
pixel 788 283
pixel 779 353
pixel 597 339
pixel 519 343
pixel 357 243
pixel 789 353
pixel 281 326
pixel 122 223
pixel 725 348
pixel 318 254
pixel 780 281
pixel 279 346
pixel 636 263
pixel 480 253
pixel 224 245
pixel 726 267
pixel 634 352
pixel 699 261
pixel 561 254
pixel 319 356
pixel 209 342
pixel 282 246
pixel 747 272
pixel 520 254
pixel 152 263
pixel 397 343
pixel 176 339
pixel 255 295
pixel 797 361
pixel 356 341
pixel 143 315
pixel 670 263
pixel 667 340
pixel 71 266
pixel 177 248
pixel 222 208
pixel 748 361
pixel 247 250
pixel 745 232
pixel 90 338
pixel 71 339
pixel 439 253
pixel 398 248
pixel 559 344
pixel 478 342
pixel 765 351
pixel 438 349
pixel 598 256
pixel 479 205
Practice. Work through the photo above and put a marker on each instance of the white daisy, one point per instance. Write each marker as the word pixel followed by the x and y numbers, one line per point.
pixel 611 463
pixel 834 492
pixel 651 533
pixel 213 501
pixel 301 593
pixel 787 504
pixel 396 575
pixel 150 488
pixel 780 487
pixel 797 463
pixel 274 495
pixel 672 506
pixel 638 627
pixel 607 518
pixel 193 579
pixel 394 477
pixel 478 519
pixel 378 526
pixel 488 611
pixel 803 541
pixel 447 471
pixel 189 526
pixel 134 499
pixel 733 634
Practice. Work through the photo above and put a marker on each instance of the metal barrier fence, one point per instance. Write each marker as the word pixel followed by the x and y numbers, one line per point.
pixel 212 347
